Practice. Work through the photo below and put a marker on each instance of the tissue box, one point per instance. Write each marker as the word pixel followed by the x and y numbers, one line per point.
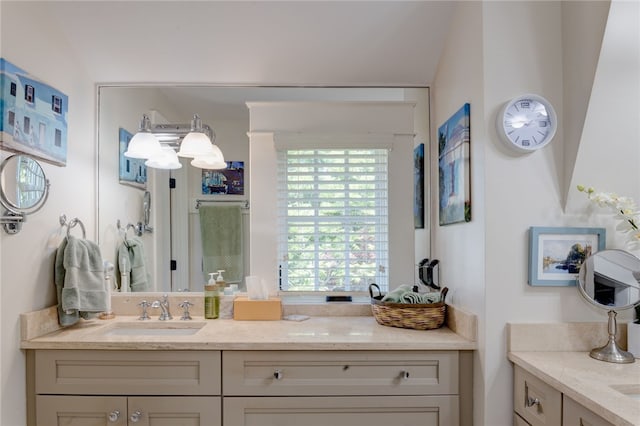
pixel 257 310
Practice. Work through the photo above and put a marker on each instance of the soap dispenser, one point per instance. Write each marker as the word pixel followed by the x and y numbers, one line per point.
pixel 220 280
pixel 211 298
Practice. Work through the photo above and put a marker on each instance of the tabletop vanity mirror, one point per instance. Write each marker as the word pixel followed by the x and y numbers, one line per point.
pixel 609 280
pixel 24 189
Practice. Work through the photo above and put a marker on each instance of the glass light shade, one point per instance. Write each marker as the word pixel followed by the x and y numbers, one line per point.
pixel 213 161
pixel 195 144
pixel 167 160
pixel 143 145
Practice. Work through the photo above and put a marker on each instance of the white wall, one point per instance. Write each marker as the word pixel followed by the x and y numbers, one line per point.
pixel 26 267
pixel 512 192
pixel 460 247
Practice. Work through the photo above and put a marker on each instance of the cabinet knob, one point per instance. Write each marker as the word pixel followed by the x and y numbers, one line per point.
pixel 114 416
pixel 135 417
pixel 278 374
pixel 532 401
pixel 404 374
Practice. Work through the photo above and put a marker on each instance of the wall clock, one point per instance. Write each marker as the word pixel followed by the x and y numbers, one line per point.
pixel 527 123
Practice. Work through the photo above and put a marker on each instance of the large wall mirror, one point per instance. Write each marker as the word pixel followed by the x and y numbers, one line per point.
pixel 173 242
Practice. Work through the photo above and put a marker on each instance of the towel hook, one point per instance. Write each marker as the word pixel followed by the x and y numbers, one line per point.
pixel 73 222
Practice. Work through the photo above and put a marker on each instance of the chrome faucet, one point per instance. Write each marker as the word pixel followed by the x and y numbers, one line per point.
pixel 164 306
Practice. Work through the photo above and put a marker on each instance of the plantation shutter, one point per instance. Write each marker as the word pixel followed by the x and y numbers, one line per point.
pixel 332 218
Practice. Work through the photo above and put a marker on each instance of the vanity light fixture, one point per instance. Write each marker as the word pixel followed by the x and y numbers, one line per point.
pixel 143 144
pixel 158 144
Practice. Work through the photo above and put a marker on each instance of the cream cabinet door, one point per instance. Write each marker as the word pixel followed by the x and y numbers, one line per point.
pixel 574 414
pixel 341 411
pixel 53 410
pixel 174 411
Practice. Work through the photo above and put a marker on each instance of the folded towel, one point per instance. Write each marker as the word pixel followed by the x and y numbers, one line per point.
pixel 132 263
pixel 222 237
pixel 405 294
pixel 79 280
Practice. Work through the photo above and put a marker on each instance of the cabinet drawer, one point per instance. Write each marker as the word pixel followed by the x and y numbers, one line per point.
pixel 574 414
pixel 519 421
pixel 340 373
pixel 341 411
pixel 127 372
pixel 537 402
pixel 81 410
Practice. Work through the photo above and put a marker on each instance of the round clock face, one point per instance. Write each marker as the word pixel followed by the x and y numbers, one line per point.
pixel 527 123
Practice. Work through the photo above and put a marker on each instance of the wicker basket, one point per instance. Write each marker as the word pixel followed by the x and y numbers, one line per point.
pixel 408 315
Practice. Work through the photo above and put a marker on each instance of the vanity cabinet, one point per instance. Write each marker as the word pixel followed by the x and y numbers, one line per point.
pixel 250 388
pixel 91 388
pixel 536 403
pixel 341 388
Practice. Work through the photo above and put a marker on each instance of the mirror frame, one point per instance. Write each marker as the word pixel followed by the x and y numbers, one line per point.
pixel 14 216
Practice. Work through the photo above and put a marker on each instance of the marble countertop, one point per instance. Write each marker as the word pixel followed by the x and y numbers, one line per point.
pixel 315 333
pixel 602 387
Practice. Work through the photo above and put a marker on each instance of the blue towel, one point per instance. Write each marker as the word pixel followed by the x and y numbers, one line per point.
pixel 79 280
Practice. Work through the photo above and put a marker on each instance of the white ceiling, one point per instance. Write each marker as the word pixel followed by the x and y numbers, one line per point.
pixel 333 43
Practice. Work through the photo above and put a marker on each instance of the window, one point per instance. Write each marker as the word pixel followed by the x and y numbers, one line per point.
pixel 29 93
pixel 13 88
pixel 56 104
pixel 332 219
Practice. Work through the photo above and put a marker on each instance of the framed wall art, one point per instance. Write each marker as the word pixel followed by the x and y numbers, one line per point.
pixel 556 254
pixel 454 168
pixel 132 171
pixel 34 116
pixel 229 181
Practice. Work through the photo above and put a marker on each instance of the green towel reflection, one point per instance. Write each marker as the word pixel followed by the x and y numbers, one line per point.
pixel 222 236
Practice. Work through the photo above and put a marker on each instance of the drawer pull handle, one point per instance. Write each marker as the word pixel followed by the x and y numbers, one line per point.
pixel 532 401
pixel 404 374
pixel 278 375
pixel 135 417
pixel 114 416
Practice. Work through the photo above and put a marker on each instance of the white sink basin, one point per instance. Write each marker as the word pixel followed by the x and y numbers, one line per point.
pixel 154 328
pixel 632 391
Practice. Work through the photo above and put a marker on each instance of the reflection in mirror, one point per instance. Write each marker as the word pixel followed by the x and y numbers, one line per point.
pixel 24 189
pixel 174 251
pixel 23 183
pixel 610 279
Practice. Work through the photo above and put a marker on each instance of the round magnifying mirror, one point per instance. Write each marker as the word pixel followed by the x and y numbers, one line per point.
pixel 609 279
pixel 23 185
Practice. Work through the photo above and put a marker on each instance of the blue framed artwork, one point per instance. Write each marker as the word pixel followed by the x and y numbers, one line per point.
pixel 34 116
pixel 229 181
pixel 454 168
pixel 556 254
pixel 132 171
pixel 418 186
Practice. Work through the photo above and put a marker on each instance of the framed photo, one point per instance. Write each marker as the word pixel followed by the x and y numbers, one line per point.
pixel 418 187
pixel 33 116
pixel 229 181
pixel 556 254
pixel 132 171
pixel 454 168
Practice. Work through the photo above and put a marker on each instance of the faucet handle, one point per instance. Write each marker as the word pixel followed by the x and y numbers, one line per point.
pixel 185 305
pixel 144 315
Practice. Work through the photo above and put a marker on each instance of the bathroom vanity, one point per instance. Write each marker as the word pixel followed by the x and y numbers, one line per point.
pixel 557 383
pixel 325 370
